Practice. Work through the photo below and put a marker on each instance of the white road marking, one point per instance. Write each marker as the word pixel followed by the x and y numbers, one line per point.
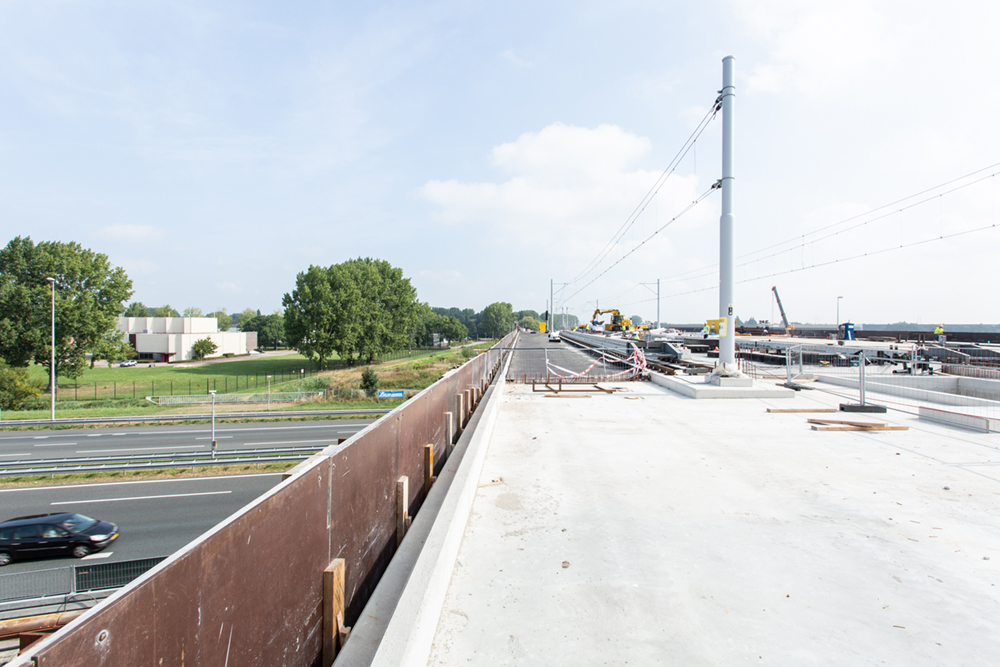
pixel 137 449
pixel 119 434
pixel 293 442
pixel 221 437
pixel 40 437
pixel 140 481
pixel 57 444
pixel 94 435
pixel 10 455
pixel 115 500
pixel 103 554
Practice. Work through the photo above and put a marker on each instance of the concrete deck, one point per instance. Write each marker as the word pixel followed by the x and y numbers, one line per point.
pixel 648 528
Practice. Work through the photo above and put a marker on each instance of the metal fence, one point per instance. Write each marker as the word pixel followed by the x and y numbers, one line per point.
pixel 238 399
pixel 933 382
pixel 72 579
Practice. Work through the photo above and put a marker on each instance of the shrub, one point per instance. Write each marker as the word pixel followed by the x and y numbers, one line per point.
pixel 369 381
pixel 16 388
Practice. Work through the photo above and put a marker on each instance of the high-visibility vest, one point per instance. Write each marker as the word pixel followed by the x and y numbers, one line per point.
pixel 938 331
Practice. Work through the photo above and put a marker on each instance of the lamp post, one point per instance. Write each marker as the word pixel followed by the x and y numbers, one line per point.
pixel 268 392
pixel 836 325
pixel 52 359
pixel 214 443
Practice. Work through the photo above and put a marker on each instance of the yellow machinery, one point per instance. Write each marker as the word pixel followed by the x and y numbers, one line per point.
pixel 542 326
pixel 618 323
pixel 714 326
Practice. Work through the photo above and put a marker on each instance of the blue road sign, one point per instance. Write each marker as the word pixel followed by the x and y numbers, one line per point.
pixel 395 393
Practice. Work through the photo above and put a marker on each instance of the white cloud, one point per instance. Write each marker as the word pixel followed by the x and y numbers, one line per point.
pixel 125 233
pixel 228 287
pixel 568 189
pixel 509 56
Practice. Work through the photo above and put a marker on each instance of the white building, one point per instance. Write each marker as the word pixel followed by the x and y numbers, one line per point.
pixel 171 338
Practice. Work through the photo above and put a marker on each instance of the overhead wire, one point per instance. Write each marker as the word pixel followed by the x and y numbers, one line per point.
pixel 653 190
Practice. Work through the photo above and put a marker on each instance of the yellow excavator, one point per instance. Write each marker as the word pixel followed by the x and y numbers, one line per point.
pixel 617 323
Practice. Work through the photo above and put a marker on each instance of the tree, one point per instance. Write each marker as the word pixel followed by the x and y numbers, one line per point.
pixel 369 381
pixel 203 348
pixel 89 295
pixel 111 347
pixel 636 320
pixel 165 311
pixel 192 312
pixel 529 323
pixel 497 320
pixel 533 314
pixel 358 309
pixel 17 387
pixel 270 329
pixel 136 309
pixel 224 321
pixel 320 313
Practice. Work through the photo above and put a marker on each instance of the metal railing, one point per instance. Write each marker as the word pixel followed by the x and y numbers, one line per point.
pixel 72 579
pixel 237 399
pixel 153 461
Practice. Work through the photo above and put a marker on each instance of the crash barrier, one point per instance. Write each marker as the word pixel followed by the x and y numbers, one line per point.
pixel 581 358
pixel 253 590
pixel 909 378
pixel 233 399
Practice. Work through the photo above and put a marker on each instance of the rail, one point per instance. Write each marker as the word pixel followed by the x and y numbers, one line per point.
pixel 139 419
pixel 152 461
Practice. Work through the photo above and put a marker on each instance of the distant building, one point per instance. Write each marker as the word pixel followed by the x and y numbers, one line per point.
pixel 171 338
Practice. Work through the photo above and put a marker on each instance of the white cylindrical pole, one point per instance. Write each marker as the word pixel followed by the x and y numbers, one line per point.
pixel 658 325
pixel 52 358
pixel 552 304
pixel 727 338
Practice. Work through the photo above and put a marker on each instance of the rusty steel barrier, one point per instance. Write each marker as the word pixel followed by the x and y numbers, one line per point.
pixel 251 590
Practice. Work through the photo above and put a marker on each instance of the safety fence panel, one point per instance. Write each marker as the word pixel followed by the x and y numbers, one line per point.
pixel 250 591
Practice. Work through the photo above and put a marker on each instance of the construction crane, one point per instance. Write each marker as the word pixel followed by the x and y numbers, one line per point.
pixel 618 323
pixel 784 320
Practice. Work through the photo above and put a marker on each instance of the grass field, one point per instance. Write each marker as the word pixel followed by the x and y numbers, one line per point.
pixel 107 392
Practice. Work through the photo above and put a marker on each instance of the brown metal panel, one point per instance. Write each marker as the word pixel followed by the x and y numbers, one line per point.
pixel 251 592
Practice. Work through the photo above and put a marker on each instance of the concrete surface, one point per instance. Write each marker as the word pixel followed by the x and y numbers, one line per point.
pixel 647 528
pixel 700 386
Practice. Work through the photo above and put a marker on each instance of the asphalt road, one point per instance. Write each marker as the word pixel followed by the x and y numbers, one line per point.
pixel 532 351
pixel 154 517
pixel 145 440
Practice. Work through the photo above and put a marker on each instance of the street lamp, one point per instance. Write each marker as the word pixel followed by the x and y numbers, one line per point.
pixel 837 323
pixel 52 359
pixel 268 392
pixel 214 443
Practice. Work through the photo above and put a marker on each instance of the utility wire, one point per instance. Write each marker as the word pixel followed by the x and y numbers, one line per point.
pixel 710 270
pixel 701 198
pixel 845 259
pixel 641 206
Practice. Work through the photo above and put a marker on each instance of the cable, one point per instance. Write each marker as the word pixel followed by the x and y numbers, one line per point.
pixel 846 259
pixel 641 206
pixel 687 274
pixel 687 208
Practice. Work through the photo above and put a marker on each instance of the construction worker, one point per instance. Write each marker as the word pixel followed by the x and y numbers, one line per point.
pixel 939 332
pixel 705 330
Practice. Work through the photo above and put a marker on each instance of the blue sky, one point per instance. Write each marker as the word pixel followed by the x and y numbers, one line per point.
pixel 217 149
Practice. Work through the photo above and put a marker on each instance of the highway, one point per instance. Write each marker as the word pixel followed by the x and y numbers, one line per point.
pixel 154 517
pixel 532 351
pixel 146 440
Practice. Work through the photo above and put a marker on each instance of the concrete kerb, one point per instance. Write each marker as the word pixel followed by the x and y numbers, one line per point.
pixel 702 389
pixel 397 625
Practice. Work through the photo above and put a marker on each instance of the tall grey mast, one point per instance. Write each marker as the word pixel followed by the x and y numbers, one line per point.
pixel 727 333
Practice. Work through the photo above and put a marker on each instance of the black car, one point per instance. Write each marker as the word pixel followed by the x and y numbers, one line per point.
pixel 46 535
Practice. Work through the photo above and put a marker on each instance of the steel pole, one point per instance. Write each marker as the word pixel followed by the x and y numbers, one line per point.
pixel 658 303
pixel 552 302
pixel 727 338
pixel 52 358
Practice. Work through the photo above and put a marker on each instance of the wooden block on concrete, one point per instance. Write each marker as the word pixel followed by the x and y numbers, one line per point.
pixel 335 633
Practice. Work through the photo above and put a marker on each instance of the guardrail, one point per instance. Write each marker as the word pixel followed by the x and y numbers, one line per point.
pixel 151 461
pixel 349 502
pixel 139 419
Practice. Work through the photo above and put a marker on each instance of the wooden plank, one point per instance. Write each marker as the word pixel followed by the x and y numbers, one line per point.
pixel 565 395
pixel 845 422
pixel 803 410
pixel 334 631
pixel 428 467
pixel 846 427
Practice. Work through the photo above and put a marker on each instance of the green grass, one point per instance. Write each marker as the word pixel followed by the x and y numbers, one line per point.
pixel 28 481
